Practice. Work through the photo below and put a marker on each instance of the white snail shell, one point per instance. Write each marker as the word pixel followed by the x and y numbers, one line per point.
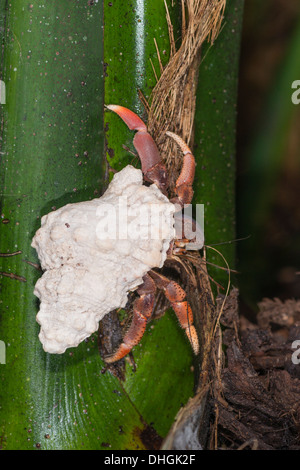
pixel 92 258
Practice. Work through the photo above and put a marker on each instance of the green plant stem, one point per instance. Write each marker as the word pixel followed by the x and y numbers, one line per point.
pixel 164 356
pixel 215 138
pixel 51 150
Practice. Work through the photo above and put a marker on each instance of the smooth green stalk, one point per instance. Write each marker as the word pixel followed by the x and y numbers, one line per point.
pixel 215 138
pixel 51 150
pixel 163 380
pixel 51 154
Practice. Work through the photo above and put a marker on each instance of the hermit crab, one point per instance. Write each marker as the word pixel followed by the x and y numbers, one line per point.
pixel 94 253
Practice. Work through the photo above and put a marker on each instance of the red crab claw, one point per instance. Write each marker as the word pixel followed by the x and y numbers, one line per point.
pixel 152 167
pixel 184 183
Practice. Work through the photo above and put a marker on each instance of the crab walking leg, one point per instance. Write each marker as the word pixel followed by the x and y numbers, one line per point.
pixel 184 183
pixel 176 295
pixel 142 311
pixel 152 167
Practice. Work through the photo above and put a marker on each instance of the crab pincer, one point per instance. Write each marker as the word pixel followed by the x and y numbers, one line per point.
pixel 152 167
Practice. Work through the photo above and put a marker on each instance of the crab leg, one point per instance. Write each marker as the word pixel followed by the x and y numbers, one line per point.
pixel 176 295
pixel 184 189
pixel 152 167
pixel 142 311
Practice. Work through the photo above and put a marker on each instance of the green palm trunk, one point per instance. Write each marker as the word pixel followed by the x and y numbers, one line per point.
pixel 52 153
pixel 215 140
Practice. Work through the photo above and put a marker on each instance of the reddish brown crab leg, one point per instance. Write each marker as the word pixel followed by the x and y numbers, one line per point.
pixel 176 295
pixel 142 311
pixel 184 183
pixel 152 167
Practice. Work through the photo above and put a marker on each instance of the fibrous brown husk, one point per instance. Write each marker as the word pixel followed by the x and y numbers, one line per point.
pixel 172 106
pixel 191 426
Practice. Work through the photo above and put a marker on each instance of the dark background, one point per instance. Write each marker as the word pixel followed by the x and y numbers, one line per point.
pixel 269 260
